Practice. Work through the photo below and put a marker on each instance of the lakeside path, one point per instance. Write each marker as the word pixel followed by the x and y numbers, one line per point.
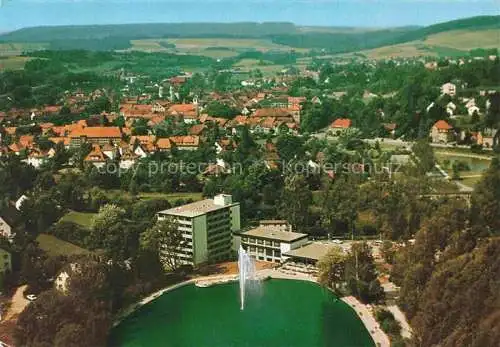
pixel 464 155
pixel 364 314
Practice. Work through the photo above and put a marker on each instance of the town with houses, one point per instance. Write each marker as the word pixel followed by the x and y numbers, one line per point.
pixel 371 178
pixel 263 111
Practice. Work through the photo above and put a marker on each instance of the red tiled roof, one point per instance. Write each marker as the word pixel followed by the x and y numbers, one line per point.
pixel 390 126
pixel 156 120
pixel 26 140
pixel 10 130
pixel 442 125
pixel 190 140
pixel 97 132
pixel 197 129
pixel 143 139
pixel 46 125
pixel 16 147
pixel 163 143
pixel 343 123
pixel 182 108
pixel 296 100
pixel 271 112
pixel 56 140
pixel 268 122
pixel 96 155
pixel 52 109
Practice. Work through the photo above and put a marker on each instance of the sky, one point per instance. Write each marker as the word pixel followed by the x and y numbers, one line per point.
pixel 16 14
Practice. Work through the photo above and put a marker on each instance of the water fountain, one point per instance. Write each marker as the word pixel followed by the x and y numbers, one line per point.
pixel 246 266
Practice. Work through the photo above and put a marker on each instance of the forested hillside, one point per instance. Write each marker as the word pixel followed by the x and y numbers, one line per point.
pixel 110 37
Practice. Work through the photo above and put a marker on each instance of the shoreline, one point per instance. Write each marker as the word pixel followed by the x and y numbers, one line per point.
pixel 379 337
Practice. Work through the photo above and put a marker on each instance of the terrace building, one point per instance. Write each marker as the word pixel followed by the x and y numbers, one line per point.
pixel 95 135
pixel 271 243
pixel 207 227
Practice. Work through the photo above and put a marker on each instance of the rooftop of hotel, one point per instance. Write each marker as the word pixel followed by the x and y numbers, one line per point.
pixel 195 209
pixel 313 250
pixel 274 234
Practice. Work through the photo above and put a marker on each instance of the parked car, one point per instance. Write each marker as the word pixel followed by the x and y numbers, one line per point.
pixel 31 297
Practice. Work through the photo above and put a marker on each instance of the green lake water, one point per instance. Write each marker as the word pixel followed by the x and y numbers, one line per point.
pixel 281 313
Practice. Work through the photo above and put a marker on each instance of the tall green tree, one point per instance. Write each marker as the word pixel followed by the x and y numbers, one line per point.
pixel 485 212
pixel 340 206
pixel 295 202
pixel 332 269
pixel 361 274
pixel 165 239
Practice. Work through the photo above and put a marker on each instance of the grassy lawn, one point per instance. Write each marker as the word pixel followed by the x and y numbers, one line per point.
pixel 54 246
pixel 171 196
pixel 82 218
pixel 470 181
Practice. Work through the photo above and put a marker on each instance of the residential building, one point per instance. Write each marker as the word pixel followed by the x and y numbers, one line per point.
pixel 5 228
pixel 441 132
pixel 9 218
pixel 61 282
pixel 95 135
pixel 96 157
pixel 186 143
pixel 5 261
pixel 207 228
pixel 449 88
pixel 279 224
pixel 340 125
pixel 270 244
pixel 486 137
pixel 19 202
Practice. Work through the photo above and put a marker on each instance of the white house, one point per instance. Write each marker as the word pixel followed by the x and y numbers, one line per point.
pixel 473 109
pixel 450 108
pixel 20 201
pixel 61 282
pixel 140 152
pixel 449 89
pixel 5 228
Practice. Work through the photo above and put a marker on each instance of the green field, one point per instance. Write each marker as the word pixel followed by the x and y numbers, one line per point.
pixel 55 247
pixel 210 47
pixel 12 49
pixel 12 63
pixel 450 43
pixel 466 39
pixel 171 197
pixel 82 218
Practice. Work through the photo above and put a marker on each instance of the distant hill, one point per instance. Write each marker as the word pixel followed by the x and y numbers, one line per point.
pixel 151 31
pixel 472 23
pixel 332 39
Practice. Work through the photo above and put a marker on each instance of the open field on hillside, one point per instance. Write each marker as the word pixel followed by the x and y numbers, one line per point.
pixel 82 218
pixel 12 63
pixel 202 43
pixel 11 49
pixel 54 246
pixel 210 47
pixel 466 39
pixel 451 43
pixel 405 50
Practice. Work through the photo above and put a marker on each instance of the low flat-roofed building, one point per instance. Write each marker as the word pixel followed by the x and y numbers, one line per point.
pixel 280 224
pixel 269 244
pixel 310 253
